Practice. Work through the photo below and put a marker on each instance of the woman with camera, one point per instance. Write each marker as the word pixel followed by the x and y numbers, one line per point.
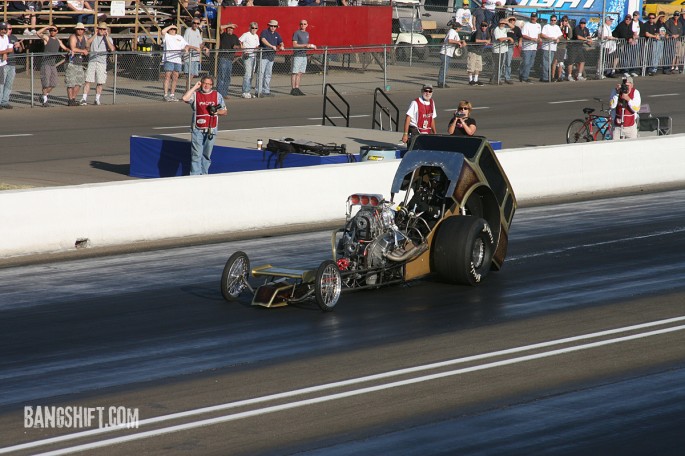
pixel 461 123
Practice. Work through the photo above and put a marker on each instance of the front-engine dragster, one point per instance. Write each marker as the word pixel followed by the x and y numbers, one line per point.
pixel 453 221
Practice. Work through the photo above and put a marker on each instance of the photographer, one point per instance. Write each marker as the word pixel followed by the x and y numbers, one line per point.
pixel 625 104
pixel 461 124
pixel 207 105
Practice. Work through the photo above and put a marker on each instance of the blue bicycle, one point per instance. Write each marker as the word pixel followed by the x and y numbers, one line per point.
pixel 595 127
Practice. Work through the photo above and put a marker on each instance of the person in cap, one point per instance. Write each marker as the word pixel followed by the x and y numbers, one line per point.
pixel 531 37
pixel 420 117
pixel 481 38
pixel 175 46
pixel 559 63
pixel 249 41
pixel 48 67
pixel 464 17
pixel 550 35
pixel 513 32
pixel 674 30
pixel 193 36
pixel 299 65
pixel 625 103
pixel 450 43
pixel 270 42
pixel 500 49
pixel 207 105
pixel 228 44
pixel 580 42
pixel 627 45
pixel 96 72
pixel 74 76
pixel 654 46
pixel 609 56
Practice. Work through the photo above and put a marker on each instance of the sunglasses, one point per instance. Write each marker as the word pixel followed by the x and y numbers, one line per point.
pixel 303 23
pixel 483 25
pixel 462 108
pixel 196 23
pixel 428 90
pixel 253 28
pixel 274 26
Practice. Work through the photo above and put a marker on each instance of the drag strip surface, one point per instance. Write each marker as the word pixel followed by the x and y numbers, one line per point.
pixel 588 305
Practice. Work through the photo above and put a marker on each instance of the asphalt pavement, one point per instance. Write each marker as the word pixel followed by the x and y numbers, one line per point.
pixel 89 144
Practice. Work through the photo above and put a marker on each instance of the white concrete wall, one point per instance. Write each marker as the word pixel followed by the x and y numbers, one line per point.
pixel 47 220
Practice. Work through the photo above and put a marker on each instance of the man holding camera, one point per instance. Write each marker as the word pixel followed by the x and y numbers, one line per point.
pixel 625 104
pixel 207 104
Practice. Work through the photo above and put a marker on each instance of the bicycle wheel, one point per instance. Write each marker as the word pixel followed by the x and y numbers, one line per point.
pixel 578 131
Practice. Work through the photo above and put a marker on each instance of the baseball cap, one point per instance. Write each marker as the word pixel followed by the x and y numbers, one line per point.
pixel 609 18
pixel 3 25
pixel 427 86
pixel 636 13
pixel 676 13
pixel 628 79
pixel 583 21
pixel 628 16
pixel 533 14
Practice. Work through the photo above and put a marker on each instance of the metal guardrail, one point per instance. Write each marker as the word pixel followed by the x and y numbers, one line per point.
pixel 378 108
pixel 327 100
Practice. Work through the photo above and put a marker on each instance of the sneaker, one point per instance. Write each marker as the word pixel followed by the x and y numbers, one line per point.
pixel 294 92
pixel 166 97
pixel 83 102
pixel 27 31
pixel 33 32
pixel 44 104
pixel 509 81
pixel 172 97
pixel 479 82
pixel 471 83
pixel 300 93
pixel 96 102
pixel 635 75
pixel 581 78
pixel 246 95
pixel 527 81
pixel 7 106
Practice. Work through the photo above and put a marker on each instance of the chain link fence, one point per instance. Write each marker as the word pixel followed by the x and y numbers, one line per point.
pixel 138 76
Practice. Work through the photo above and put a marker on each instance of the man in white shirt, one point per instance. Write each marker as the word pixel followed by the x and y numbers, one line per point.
pixel 5 49
pixel 449 47
pixel 550 35
pixel 500 50
pixel 249 42
pixel 531 37
pixel 193 36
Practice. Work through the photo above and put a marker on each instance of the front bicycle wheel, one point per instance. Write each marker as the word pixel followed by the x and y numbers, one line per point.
pixel 578 131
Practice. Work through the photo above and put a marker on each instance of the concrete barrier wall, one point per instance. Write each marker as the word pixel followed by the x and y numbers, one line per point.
pixel 53 219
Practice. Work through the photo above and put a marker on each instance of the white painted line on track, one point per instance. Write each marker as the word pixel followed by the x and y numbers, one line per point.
pixel 567 101
pixel 18 134
pixel 582 246
pixel 356 392
pixel 663 95
pixel 340 117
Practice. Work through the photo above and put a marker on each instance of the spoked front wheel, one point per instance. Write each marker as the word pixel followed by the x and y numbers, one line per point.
pixel 234 277
pixel 328 285
pixel 578 131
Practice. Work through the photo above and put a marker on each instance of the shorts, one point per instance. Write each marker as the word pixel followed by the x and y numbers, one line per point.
pixel 474 63
pixel 299 64
pixel 194 66
pixel 74 76
pixel 48 75
pixel 171 66
pixel 96 72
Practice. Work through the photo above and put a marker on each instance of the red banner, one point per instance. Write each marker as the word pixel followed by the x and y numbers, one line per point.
pixel 332 26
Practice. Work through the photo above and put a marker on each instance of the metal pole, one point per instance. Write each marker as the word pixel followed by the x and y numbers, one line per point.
pixel 385 67
pixel 325 68
pixel 33 95
pixel 114 83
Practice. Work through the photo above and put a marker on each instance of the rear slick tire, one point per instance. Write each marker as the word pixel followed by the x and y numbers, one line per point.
pixel 463 249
